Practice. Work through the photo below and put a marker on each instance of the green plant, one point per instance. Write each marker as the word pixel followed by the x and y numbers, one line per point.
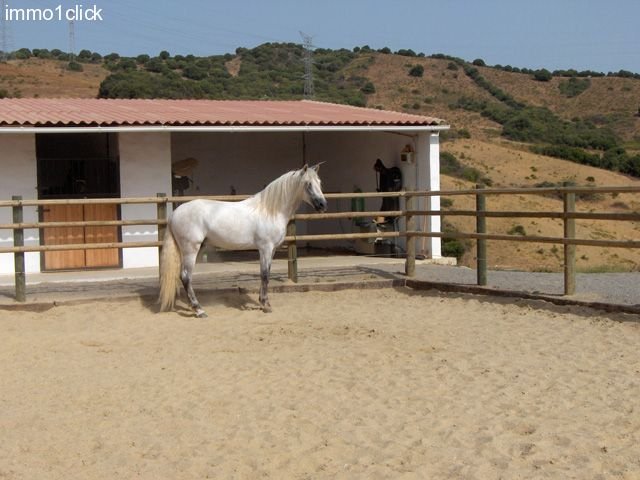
pixel 517 230
pixel 450 165
pixel 452 247
pixel 574 86
pixel 74 67
pixel 368 88
pixel 446 202
pixel 416 71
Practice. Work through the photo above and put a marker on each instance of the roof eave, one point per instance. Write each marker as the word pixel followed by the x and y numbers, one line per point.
pixel 222 128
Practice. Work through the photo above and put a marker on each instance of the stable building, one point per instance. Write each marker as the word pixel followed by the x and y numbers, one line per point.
pixel 105 148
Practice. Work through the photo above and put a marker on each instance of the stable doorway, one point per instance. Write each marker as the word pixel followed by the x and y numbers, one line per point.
pixel 78 165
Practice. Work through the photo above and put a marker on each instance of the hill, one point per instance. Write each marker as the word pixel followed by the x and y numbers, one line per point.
pixel 508 124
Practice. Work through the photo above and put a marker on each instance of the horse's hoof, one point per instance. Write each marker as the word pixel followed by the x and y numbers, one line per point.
pixel 201 314
pixel 267 309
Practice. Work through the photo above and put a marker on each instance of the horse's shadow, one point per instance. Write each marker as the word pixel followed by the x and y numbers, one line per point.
pixel 238 299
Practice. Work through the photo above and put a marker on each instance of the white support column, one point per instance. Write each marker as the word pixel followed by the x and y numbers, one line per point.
pixel 19 177
pixel 145 170
pixel 434 184
pixel 428 178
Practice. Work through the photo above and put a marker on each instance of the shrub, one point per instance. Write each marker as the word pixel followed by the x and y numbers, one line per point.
pixel 194 72
pixel 450 165
pixel 452 247
pixel 406 52
pixel 416 71
pixel 41 53
pixel 112 57
pixel 517 230
pixel 155 65
pixel 74 67
pixel 126 64
pixel 368 88
pixel 479 62
pixel 574 86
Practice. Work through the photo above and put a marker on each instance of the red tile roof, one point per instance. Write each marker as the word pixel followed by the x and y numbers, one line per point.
pixel 40 112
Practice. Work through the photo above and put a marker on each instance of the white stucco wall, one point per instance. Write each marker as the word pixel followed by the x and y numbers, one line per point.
pixel 18 177
pixel 145 170
pixel 244 161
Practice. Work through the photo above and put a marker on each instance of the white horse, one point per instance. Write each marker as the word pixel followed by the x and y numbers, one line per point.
pixel 258 222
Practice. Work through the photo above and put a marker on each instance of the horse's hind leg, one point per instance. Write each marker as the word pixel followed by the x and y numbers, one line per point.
pixel 186 275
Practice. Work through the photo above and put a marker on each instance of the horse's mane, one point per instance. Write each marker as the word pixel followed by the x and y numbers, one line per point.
pixel 281 194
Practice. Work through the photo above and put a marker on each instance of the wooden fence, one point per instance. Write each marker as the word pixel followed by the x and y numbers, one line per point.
pixel 568 215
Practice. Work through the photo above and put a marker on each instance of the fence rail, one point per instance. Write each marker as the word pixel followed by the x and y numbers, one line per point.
pixel 568 215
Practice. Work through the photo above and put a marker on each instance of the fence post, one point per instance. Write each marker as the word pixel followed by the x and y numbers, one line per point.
pixel 292 252
pixel 569 250
pixel 161 208
pixel 410 226
pixel 481 243
pixel 18 257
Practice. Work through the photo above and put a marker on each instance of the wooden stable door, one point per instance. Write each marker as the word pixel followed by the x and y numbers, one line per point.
pixel 103 257
pixel 77 259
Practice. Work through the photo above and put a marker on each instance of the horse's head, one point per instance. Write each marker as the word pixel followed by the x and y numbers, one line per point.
pixel 312 188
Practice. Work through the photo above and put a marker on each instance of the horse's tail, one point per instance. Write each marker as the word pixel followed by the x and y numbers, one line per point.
pixel 170 263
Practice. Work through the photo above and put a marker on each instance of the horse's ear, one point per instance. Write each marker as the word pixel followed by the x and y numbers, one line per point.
pixel 303 170
pixel 316 167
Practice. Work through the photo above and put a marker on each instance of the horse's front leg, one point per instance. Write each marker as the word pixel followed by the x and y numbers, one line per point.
pixel 266 257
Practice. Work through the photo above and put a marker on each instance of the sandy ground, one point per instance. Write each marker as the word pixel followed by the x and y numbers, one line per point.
pixel 352 384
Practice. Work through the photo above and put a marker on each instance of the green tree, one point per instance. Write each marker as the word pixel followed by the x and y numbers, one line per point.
pixel 84 55
pixel 542 75
pixel 22 54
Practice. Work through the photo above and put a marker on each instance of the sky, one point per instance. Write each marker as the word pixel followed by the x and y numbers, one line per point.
pixel 552 34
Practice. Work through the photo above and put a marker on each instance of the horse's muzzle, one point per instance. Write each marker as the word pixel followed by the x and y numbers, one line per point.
pixel 320 205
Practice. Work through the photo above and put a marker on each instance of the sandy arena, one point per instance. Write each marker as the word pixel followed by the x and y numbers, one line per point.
pixel 375 384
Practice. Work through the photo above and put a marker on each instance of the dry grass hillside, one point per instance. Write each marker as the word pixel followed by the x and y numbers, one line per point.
pixel 608 101
pixel 508 166
pixel 430 95
pixel 49 78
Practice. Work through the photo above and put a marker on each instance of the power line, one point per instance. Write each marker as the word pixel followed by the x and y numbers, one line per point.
pixel 72 40
pixel 5 35
pixel 309 90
